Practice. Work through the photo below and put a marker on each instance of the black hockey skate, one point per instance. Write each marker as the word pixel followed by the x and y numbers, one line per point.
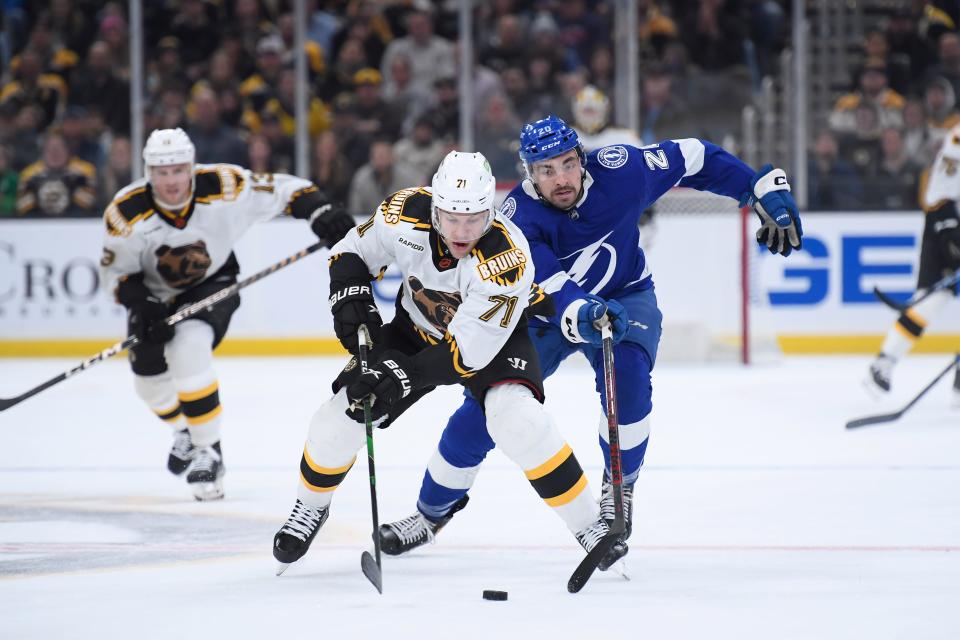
pixel 414 531
pixel 878 378
pixel 589 537
pixel 181 453
pixel 294 537
pixel 205 474
pixel 607 507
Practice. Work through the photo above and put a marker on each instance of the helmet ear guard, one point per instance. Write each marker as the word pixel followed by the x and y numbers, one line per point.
pixel 463 184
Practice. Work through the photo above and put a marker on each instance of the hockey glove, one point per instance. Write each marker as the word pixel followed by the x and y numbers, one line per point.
pixel 385 383
pixel 147 312
pixel 581 320
pixel 330 222
pixel 353 305
pixel 148 322
pixel 780 229
pixel 946 226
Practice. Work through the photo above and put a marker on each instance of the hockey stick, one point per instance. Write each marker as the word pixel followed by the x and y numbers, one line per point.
pixel 589 564
pixel 942 283
pixel 371 567
pixel 890 417
pixel 179 316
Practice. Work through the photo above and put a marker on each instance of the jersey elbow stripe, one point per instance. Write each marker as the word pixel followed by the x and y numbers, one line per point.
pixel 321 479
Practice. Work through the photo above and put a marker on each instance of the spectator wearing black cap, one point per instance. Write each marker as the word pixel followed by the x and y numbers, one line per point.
pixel 948 65
pixel 444 109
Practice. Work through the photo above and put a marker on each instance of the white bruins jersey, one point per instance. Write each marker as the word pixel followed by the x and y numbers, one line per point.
pixel 474 303
pixel 609 137
pixel 943 180
pixel 177 250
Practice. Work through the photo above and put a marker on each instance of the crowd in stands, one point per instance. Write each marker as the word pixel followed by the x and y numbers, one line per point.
pixel 383 102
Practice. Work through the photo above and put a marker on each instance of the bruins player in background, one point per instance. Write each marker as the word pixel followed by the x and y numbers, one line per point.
pixel 460 319
pixel 169 242
pixel 939 256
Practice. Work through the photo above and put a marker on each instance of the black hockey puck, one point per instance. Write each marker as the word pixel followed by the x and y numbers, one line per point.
pixel 491 594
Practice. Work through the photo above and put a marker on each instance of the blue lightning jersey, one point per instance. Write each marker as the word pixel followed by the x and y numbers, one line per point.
pixel 595 247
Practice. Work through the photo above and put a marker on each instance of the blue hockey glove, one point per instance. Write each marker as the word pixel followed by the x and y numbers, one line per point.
pixel 780 229
pixel 580 322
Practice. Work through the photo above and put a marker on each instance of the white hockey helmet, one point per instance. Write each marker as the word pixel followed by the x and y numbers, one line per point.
pixel 168 146
pixel 591 109
pixel 464 185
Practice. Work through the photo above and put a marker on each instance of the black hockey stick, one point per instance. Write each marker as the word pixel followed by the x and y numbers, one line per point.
pixel 179 316
pixel 942 283
pixel 589 564
pixel 890 417
pixel 371 567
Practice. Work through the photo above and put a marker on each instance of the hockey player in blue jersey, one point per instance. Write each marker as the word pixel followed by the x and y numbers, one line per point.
pixel 579 212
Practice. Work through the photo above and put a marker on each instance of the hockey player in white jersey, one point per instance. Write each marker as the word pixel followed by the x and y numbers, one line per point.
pixel 460 319
pixel 591 114
pixel 169 242
pixel 939 257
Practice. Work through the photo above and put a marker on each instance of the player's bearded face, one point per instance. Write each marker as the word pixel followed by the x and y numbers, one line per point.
pixel 559 179
pixel 461 232
pixel 171 184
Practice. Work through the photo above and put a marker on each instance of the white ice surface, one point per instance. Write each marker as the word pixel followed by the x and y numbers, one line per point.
pixel 757 515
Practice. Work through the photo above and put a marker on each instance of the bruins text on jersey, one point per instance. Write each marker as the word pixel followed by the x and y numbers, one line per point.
pixel 467 279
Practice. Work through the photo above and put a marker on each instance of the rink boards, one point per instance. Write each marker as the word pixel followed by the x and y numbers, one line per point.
pixel 817 301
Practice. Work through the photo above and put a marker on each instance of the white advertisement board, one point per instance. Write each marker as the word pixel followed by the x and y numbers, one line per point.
pixel 50 289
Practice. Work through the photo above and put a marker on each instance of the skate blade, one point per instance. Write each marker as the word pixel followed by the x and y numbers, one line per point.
pixel 206 491
pixel 281 567
pixel 875 392
pixel 620 568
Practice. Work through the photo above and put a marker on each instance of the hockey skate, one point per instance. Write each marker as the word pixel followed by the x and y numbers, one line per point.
pixel 877 381
pixel 205 474
pixel 593 534
pixel 607 506
pixel 414 531
pixel 294 537
pixel 181 453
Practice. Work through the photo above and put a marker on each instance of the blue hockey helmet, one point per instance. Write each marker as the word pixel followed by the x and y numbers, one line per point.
pixel 547 138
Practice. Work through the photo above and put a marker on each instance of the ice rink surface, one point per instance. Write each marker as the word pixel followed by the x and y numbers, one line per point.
pixel 757 515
